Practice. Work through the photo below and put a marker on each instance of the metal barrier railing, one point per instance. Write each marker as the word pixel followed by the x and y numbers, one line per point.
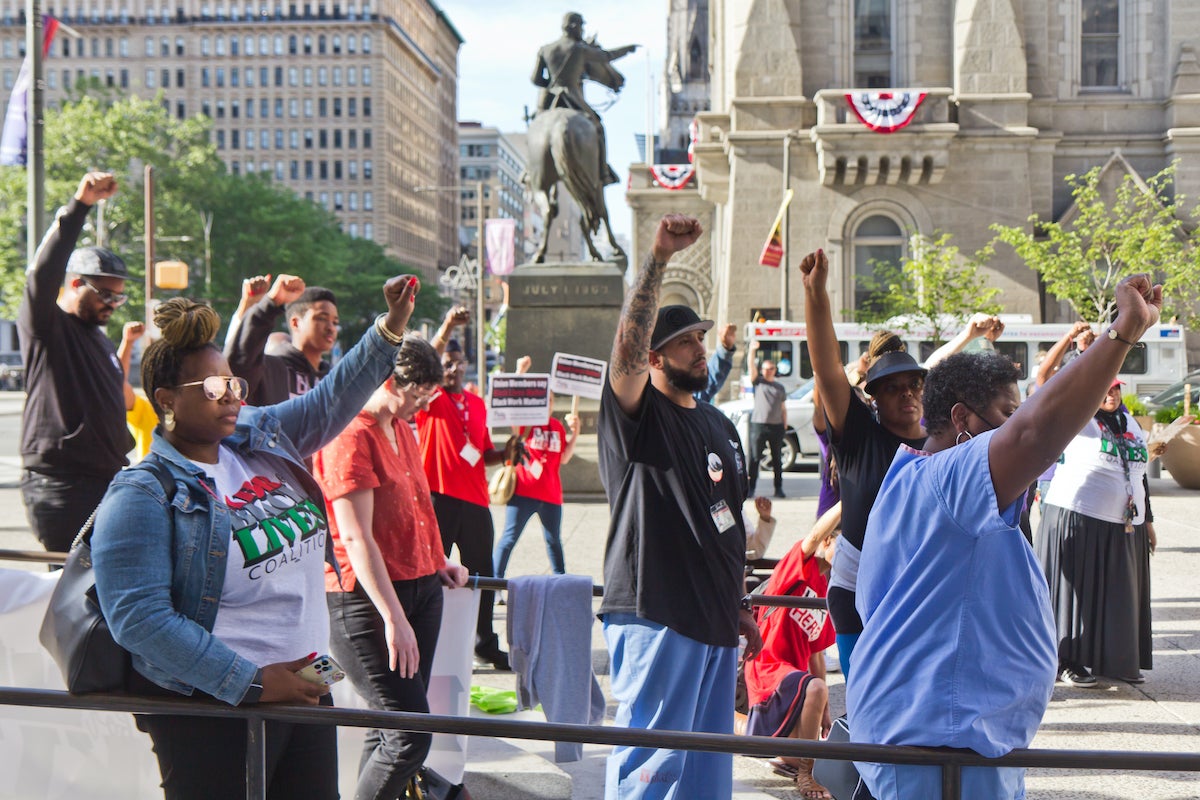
pixel 950 760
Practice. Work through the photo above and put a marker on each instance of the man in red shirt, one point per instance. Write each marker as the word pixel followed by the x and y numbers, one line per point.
pixel 456 446
pixel 786 683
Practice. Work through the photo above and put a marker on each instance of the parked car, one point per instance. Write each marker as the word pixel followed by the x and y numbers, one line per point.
pixel 1173 394
pixel 12 372
pixel 799 438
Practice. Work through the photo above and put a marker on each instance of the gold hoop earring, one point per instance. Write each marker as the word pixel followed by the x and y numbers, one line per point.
pixel 958 439
pixel 169 420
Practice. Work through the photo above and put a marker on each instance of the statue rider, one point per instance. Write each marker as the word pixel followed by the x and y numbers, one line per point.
pixel 561 69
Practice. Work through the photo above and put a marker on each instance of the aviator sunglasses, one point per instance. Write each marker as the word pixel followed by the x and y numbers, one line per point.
pixel 107 296
pixel 215 386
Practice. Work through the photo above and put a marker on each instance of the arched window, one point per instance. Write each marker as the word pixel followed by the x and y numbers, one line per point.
pixel 877 240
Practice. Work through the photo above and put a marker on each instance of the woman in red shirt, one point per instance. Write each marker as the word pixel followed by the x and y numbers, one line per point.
pixel 386 611
pixel 539 487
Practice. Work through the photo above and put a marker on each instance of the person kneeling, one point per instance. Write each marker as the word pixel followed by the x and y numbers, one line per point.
pixel 786 683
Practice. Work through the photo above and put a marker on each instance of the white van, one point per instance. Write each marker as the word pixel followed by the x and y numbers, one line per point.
pixel 1162 362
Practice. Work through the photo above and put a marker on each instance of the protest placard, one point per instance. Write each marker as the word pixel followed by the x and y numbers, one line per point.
pixel 515 400
pixel 577 375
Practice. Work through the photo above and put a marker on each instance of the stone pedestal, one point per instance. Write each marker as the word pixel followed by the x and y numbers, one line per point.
pixel 566 308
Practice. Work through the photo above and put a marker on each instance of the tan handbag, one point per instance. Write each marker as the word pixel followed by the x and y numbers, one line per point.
pixel 502 485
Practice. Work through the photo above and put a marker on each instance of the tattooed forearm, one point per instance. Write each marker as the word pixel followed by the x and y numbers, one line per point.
pixel 630 354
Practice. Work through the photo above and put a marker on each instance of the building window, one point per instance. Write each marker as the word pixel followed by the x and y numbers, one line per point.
pixel 872 44
pixel 877 240
pixel 294 170
pixel 366 138
pixel 367 170
pixel 149 82
pixel 351 43
pixel 368 201
pixel 366 42
pixel 1100 44
pixel 352 197
pixel 178 45
pixel 352 169
pixel 366 76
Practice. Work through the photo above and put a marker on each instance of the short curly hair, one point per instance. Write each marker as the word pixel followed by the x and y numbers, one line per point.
pixel 973 379
pixel 417 363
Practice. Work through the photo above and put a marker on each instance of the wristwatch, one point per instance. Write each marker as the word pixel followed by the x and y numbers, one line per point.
pixel 1112 334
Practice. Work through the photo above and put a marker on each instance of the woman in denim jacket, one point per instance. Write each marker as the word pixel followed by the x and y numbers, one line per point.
pixel 217 591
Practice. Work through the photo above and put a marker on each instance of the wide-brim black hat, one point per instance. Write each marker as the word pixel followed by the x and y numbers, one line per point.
pixel 890 364
pixel 675 321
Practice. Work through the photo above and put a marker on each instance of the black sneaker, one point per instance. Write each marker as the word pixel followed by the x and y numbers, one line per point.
pixel 1078 677
pixel 492 657
pixel 779 495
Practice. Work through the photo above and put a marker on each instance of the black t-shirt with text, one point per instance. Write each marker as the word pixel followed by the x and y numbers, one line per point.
pixel 676 480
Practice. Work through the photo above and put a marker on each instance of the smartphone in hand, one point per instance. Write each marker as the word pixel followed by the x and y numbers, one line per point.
pixel 323 670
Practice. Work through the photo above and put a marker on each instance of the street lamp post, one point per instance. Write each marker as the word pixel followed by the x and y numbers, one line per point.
pixel 480 339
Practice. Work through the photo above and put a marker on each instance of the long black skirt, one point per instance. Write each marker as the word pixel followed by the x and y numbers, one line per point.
pixel 1099 578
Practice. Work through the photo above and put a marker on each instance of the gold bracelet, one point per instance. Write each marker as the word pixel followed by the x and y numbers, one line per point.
pixel 387 335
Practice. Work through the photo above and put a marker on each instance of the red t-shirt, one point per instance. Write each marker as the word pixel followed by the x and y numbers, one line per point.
pixel 538 478
pixel 402 523
pixel 790 635
pixel 450 421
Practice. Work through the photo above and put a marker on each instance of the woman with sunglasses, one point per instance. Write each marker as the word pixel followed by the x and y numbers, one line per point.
pixel 386 609
pixel 958 647
pixel 217 588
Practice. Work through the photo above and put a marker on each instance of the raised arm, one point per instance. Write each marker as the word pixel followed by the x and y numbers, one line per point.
pixel 459 315
pixel 245 349
pixel 978 325
pixel 752 359
pixel 629 368
pixel 130 333
pixel 1054 357
pixel 1032 439
pixel 822 342
pixel 720 363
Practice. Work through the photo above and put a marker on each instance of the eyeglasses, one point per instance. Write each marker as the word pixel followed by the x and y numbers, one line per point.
pixel 215 386
pixel 982 418
pixel 915 385
pixel 107 296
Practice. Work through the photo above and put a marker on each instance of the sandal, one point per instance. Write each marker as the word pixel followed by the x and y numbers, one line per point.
pixel 783 769
pixel 807 785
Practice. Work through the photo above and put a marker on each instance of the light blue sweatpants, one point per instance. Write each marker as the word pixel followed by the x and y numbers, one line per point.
pixel 663 680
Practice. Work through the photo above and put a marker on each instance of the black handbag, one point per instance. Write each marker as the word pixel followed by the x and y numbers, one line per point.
pixel 74 629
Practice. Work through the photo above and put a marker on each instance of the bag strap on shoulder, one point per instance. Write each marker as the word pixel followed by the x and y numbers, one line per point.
pixel 155 468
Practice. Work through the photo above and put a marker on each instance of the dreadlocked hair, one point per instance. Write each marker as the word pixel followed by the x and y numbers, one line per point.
pixel 187 327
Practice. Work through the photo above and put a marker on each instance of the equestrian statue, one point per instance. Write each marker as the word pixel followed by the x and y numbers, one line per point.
pixel 566 136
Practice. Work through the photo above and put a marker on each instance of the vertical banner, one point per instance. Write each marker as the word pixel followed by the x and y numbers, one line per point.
pixel 772 253
pixel 500 236
pixel 15 136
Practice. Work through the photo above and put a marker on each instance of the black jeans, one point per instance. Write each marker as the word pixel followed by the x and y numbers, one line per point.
pixel 470 527
pixel 772 435
pixel 357 639
pixel 201 758
pixel 57 505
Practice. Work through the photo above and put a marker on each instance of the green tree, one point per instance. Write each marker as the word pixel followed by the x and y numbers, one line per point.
pixel 934 287
pixel 1138 227
pixel 259 227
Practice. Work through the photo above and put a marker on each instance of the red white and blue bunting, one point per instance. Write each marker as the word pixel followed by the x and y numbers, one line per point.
pixel 672 176
pixel 885 112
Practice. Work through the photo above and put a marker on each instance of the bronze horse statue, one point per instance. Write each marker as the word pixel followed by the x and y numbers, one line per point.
pixel 564 145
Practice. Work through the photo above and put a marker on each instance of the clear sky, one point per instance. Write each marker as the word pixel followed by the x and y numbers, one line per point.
pixel 497 58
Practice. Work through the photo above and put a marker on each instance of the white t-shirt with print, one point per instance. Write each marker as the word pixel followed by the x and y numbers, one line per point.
pixel 1090 479
pixel 273 603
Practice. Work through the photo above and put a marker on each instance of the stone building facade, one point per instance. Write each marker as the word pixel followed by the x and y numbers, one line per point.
pixel 351 103
pixel 1018 94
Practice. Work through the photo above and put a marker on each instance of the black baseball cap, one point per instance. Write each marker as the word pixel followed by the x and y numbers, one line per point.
pixel 675 321
pixel 890 364
pixel 97 261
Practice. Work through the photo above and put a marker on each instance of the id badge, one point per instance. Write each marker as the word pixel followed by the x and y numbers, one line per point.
pixel 535 469
pixel 722 516
pixel 470 454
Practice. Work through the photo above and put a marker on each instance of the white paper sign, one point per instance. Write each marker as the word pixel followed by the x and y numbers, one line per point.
pixel 515 400
pixel 577 375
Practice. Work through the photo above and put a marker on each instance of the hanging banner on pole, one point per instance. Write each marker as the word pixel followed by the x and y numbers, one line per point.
pixel 500 236
pixel 15 136
pixel 772 253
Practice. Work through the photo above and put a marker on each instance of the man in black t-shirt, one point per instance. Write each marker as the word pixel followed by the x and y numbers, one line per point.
pixel 73 433
pixel 675 476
